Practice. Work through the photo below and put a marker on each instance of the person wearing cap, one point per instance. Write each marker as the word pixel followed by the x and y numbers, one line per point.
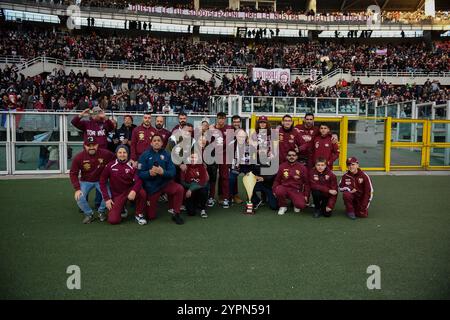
pixel 141 137
pixel 85 172
pixel 357 190
pixel 291 182
pixel 124 185
pixel 324 187
pixel 97 126
pixel 157 171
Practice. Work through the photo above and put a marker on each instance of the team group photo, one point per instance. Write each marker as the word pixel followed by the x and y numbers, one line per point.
pixel 198 152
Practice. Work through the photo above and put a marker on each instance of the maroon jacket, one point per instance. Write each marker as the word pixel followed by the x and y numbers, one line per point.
pixel 141 140
pixel 359 181
pixel 93 128
pixel 194 177
pixel 220 136
pixel 91 167
pixel 165 134
pixel 122 177
pixel 289 139
pixel 307 136
pixel 292 175
pixel 325 148
pixel 324 182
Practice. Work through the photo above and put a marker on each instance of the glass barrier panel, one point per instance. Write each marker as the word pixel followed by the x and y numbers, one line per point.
pixel 348 106
pixel 246 104
pixel 392 110
pixel 284 105
pixel 2 157
pixel 262 104
pixel 406 132
pixel 366 142
pixel 306 105
pixel 3 125
pixel 440 157
pixel 326 105
pixel 440 132
pixel 37 127
pixel 37 157
pixel 72 151
pixel 405 110
pixel 406 156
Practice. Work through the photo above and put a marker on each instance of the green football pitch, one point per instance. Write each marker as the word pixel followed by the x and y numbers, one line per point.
pixel 229 255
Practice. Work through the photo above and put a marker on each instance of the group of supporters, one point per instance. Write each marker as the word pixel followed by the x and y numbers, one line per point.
pixel 150 164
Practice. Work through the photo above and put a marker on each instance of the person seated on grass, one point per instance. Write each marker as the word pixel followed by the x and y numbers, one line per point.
pixel 124 184
pixel 157 172
pixel 291 182
pixel 90 164
pixel 357 190
pixel 195 181
pixel 323 183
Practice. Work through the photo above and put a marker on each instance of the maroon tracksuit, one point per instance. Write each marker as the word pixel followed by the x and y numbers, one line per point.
pixel 123 179
pixel 307 136
pixel 323 147
pixel 321 184
pixel 165 135
pixel 291 182
pixel 141 140
pixel 93 128
pixel 289 140
pixel 91 167
pixel 358 202
pixel 219 135
pixel 195 178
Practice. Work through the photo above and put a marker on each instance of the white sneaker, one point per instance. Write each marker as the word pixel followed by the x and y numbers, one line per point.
pixel 124 214
pixel 203 214
pixel 296 210
pixel 171 211
pixel 211 202
pixel 183 208
pixel 141 220
pixel 282 211
pixel 226 204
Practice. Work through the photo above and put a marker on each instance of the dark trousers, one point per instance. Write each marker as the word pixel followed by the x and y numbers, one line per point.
pixel 212 173
pixel 265 191
pixel 320 202
pixel 197 200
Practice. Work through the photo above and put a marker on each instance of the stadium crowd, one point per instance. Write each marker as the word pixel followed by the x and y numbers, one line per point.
pixel 60 91
pixel 151 163
pixel 394 16
pixel 325 56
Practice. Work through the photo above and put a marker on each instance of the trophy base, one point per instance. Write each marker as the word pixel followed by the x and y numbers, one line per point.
pixel 249 208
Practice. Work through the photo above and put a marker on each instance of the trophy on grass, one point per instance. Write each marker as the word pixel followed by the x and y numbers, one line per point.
pixel 249 182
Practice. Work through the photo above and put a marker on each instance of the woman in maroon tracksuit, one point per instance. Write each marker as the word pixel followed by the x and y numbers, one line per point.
pixel 124 185
pixel 323 183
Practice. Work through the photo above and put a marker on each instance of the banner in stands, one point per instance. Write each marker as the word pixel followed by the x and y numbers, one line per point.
pixel 278 75
pixel 244 15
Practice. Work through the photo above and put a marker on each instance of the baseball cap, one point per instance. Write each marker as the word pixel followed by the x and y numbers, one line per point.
pixel 90 140
pixel 352 160
pixel 262 119
pixel 97 110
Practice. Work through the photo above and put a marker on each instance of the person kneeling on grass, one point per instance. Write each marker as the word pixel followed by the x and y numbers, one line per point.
pixel 157 172
pixel 195 181
pixel 124 185
pixel 90 163
pixel 291 182
pixel 357 190
pixel 324 188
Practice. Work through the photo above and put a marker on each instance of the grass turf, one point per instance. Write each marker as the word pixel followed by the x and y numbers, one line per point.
pixel 229 255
